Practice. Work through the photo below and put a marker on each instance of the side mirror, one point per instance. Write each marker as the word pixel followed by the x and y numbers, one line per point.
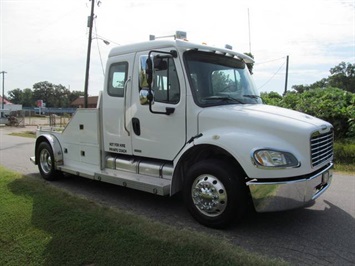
pixel 145 97
pixel 160 63
pixel 149 71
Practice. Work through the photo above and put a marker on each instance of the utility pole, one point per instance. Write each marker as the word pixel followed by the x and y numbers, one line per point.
pixel 3 90
pixel 286 78
pixel 90 24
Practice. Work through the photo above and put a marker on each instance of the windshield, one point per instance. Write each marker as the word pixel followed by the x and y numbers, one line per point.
pixel 218 79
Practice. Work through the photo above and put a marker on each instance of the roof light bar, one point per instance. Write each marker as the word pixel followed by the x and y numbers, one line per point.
pixel 181 35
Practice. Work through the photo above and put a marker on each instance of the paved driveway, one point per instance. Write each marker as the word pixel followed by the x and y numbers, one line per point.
pixel 321 234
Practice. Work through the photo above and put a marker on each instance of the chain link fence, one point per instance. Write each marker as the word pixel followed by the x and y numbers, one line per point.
pixel 24 118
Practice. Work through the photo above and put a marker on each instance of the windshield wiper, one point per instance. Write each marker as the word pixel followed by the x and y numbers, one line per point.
pixel 226 98
pixel 252 96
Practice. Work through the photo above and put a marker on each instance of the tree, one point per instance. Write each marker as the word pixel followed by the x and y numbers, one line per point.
pixel 51 94
pixel 44 90
pixel 323 83
pixel 15 96
pixel 271 98
pixel 27 98
pixel 62 96
pixel 343 76
pixel 221 81
pixel 24 97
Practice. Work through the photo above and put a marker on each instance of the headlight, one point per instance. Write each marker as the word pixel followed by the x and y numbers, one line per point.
pixel 274 158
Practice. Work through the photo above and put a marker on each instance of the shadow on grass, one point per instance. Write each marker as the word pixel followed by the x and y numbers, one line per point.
pixel 81 233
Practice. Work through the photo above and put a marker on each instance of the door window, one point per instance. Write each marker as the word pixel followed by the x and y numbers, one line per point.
pixel 165 85
pixel 117 79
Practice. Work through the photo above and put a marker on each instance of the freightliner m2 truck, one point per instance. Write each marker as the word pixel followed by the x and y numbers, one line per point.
pixel 176 116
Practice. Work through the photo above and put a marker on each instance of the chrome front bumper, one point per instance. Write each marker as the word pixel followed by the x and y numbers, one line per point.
pixel 289 194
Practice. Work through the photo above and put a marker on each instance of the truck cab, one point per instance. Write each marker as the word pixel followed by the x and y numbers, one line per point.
pixel 176 116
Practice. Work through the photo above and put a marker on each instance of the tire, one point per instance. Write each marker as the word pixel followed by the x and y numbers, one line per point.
pixel 46 164
pixel 214 193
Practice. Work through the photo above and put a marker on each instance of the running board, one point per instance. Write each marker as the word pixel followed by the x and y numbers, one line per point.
pixel 140 182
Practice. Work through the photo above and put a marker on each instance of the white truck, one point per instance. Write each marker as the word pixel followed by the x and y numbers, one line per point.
pixel 176 116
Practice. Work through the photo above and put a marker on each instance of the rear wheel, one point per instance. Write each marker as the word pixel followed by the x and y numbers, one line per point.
pixel 214 193
pixel 46 163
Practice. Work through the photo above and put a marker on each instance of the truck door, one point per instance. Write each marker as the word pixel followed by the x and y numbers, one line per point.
pixel 116 98
pixel 157 135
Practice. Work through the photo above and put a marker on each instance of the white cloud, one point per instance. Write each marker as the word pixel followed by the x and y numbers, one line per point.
pixel 47 39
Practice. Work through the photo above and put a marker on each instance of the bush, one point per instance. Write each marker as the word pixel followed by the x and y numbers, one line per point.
pixel 330 104
pixel 344 152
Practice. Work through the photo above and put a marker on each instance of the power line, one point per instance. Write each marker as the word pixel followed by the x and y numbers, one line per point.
pixel 271 60
pixel 104 38
pixel 98 48
pixel 272 76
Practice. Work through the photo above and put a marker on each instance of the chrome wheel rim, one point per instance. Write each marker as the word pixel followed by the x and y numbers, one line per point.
pixel 45 161
pixel 209 195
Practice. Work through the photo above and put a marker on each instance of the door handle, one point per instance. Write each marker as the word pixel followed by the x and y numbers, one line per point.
pixel 136 126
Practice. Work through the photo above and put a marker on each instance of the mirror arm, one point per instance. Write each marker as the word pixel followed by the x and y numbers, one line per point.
pixel 169 110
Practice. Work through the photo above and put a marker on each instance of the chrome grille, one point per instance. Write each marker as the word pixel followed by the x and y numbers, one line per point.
pixel 321 147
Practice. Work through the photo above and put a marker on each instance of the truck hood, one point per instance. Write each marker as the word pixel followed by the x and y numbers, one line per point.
pixel 260 117
pixel 283 113
pixel 241 129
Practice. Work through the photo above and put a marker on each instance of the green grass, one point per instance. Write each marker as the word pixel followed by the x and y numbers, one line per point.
pixel 345 168
pixel 27 134
pixel 42 225
pixel 344 154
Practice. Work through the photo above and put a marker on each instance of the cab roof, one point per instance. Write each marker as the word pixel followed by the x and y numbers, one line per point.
pixel 179 45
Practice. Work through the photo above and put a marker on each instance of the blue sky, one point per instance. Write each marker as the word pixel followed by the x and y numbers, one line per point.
pixel 46 40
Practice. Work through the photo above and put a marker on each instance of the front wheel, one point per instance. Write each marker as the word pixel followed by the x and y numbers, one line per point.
pixel 214 193
pixel 46 162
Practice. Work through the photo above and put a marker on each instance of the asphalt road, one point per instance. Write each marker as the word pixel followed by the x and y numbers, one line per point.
pixel 321 234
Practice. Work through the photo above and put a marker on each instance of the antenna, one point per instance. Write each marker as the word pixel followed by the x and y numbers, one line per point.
pixel 249 32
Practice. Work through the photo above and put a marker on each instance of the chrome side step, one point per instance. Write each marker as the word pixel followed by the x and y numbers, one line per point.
pixel 154 168
pixel 141 182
